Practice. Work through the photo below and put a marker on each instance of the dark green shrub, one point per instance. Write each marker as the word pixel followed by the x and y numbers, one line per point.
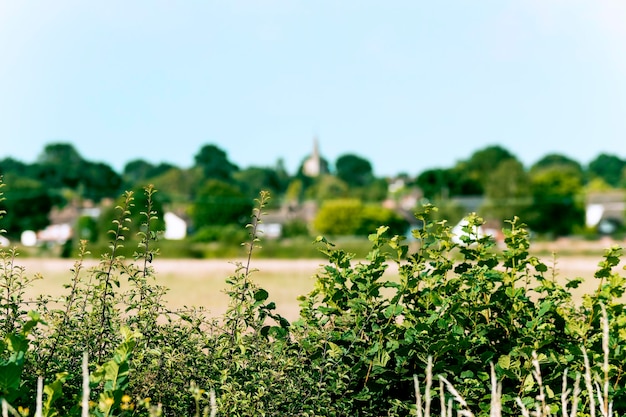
pixel 295 228
pixel 226 234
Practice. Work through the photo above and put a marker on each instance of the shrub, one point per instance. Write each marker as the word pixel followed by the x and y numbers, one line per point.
pixel 350 217
pixel 356 350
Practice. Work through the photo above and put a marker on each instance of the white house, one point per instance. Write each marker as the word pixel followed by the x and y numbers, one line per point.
pixel 175 227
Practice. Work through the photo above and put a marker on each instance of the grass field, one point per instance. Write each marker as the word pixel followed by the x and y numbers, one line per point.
pixel 202 282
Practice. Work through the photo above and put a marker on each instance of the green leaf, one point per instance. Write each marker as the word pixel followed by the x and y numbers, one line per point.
pixel 261 295
pixel 393 310
pixel 504 361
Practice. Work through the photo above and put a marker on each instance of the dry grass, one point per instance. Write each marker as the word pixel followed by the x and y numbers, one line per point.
pixel 202 282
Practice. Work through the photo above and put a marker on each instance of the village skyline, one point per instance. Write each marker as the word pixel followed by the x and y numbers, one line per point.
pixel 292 167
pixel 409 86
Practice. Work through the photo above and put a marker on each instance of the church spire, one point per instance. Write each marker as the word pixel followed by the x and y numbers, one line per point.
pixel 313 165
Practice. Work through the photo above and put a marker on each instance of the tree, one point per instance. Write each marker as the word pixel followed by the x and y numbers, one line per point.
pixel 177 185
pixel 555 160
pixel 557 208
pixel 215 164
pixel 507 191
pixel 27 204
pixel 472 175
pixel 327 187
pixel 99 180
pixel 136 171
pixel 354 170
pixel 435 183
pixel 60 166
pixel 375 191
pixel 253 180
pixel 18 168
pixel 610 168
pixel 220 203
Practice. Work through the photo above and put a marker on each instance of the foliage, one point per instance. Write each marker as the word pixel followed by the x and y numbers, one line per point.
pixel 220 203
pixel 135 215
pixel 60 167
pixel 227 234
pixel 354 170
pixel 353 218
pixel 327 187
pixel 461 304
pixel 27 205
pixel 555 160
pixel 214 163
pixel 356 350
pixel 294 228
pixel 507 191
pixel 139 171
pixel 176 186
pixel 253 180
pixel 610 168
pixel 476 171
pixel 556 208
pixel 435 183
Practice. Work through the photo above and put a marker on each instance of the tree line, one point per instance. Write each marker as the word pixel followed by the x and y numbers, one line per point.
pixel 215 192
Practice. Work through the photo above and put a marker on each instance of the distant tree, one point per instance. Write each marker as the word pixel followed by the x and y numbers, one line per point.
pixel 558 161
pixel 99 180
pixel 137 171
pixel 253 180
pixel 354 170
pixel 60 166
pixel 608 167
pixel 220 203
pixel 376 191
pixel 435 183
pixel 282 174
pixel 464 181
pixel 27 204
pixel 507 192
pixel 215 164
pixel 557 207
pixel 327 187
pixel 177 185
pixel 294 192
pixel 472 175
pixel 17 168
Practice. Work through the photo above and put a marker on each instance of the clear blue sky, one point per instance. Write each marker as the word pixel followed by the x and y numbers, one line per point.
pixel 409 85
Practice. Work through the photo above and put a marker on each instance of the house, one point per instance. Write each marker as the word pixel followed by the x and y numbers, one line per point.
pixel 175 226
pixel 605 210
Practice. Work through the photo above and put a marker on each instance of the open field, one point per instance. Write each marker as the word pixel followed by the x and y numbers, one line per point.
pixel 202 282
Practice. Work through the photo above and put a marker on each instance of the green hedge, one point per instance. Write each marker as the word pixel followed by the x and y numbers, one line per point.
pixel 360 344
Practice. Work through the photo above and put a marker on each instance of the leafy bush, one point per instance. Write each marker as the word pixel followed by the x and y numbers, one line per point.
pixel 356 350
pixel 228 234
pixel 295 228
pixel 350 217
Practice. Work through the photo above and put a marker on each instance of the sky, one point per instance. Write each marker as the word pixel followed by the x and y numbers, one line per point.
pixel 409 85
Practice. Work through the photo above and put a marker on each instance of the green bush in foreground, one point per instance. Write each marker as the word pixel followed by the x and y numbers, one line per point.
pixel 110 347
